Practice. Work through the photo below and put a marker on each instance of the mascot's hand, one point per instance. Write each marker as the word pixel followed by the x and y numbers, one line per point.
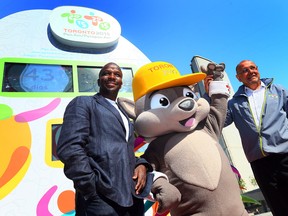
pixel 213 82
pixel 166 194
pixel 216 71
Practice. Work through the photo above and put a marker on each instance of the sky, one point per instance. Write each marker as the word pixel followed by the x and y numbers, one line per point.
pixel 175 31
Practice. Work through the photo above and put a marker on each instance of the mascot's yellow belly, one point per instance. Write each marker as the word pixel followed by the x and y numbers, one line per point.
pixel 194 159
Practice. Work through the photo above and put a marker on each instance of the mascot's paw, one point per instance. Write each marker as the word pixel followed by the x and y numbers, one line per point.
pixel 217 70
pixel 166 194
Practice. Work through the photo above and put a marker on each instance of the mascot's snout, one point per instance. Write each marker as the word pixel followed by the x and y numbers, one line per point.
pixel 187 104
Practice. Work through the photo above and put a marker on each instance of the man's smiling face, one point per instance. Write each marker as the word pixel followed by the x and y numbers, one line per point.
pixel 110 80
pixel 248 74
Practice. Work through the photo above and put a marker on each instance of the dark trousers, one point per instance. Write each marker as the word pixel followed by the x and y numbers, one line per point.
pixel 271 174
pixel 101 206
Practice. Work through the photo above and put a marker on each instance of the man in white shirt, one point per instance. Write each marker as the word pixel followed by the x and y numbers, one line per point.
pixel 259 111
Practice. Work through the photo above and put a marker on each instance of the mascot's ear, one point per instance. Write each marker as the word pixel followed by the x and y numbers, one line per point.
pixel 128 106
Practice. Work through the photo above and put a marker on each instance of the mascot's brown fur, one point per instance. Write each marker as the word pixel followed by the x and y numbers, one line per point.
pixel 183 132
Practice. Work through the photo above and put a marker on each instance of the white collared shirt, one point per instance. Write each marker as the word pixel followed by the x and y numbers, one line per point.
pixel 125 120
pixel 256 99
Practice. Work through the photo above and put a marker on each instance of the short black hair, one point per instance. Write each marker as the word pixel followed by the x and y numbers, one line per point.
pixel 107 65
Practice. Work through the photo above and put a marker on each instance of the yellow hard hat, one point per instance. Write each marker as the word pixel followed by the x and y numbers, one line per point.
pixel 159 75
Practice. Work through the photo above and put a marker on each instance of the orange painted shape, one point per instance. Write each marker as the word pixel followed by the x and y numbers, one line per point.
pixel 18 159
pixel 66 201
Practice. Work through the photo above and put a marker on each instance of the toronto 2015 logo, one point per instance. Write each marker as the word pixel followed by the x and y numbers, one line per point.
pixel 83 22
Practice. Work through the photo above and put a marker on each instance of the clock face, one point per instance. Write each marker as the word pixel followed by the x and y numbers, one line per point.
pixel 45 78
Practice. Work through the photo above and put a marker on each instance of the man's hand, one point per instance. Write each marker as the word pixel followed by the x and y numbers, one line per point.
pixel 207 81
pixel 140 177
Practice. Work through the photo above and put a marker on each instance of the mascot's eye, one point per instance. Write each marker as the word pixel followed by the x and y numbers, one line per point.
pixel 189 93
pixel 159 101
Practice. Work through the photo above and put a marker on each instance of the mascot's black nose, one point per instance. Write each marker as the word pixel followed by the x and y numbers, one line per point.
pixel 186 105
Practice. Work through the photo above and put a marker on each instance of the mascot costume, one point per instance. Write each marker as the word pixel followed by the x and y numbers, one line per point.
pixel 183 132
